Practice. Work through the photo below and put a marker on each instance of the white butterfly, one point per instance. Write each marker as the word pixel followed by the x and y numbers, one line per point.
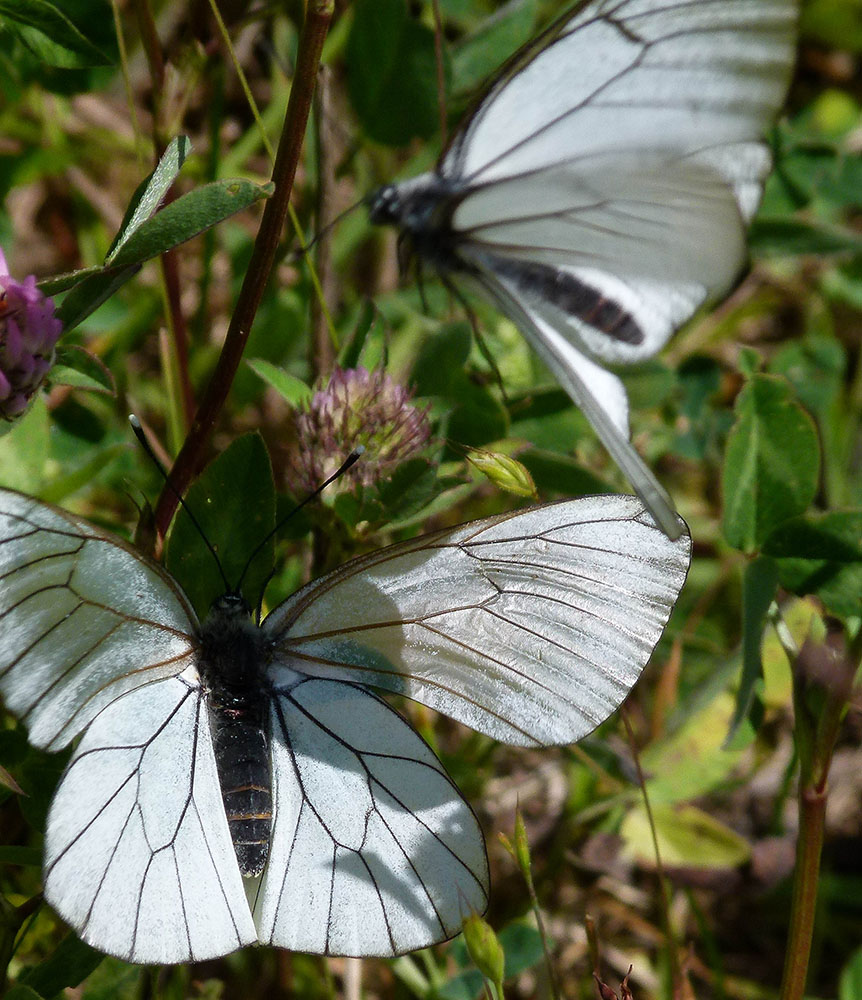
pixel 530 627
pixel 599 192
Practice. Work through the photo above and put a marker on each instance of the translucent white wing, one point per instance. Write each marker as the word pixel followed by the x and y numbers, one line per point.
pixel 621 259
pixel 625 150
pixel 701 77
pixel 530 627
pixel 600 395
pixel 374 852
pixel 138 856
pixel 83 619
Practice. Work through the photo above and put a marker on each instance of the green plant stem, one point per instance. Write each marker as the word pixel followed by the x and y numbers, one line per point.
pixel 168 262
pixel 191 457
pixel 812 817
pixel 441 70
pixel 676 970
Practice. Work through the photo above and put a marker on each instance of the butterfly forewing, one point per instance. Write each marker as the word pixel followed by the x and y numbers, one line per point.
pixel 84 619
pixel 530 627
pixel 374 851
pixel 688 77
pixel 138 857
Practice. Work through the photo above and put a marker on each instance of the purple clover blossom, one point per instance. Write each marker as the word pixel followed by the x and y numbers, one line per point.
pixel 356 407
pixel 28 334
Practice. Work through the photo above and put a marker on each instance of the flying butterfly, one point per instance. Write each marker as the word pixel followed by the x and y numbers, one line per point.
pixel 599 192
pixel 238 782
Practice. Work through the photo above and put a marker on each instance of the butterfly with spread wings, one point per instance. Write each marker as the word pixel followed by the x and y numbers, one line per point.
pixel 238 783
pixel 599 192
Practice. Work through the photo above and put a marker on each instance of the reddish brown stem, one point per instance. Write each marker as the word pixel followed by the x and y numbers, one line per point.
pixel 192 455
pixel 812 818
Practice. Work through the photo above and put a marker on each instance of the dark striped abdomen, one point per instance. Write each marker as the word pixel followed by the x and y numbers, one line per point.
pixel 573 297
pixel 242 757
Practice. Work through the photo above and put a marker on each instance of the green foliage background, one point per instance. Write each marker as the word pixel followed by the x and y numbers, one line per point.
pixel 751 419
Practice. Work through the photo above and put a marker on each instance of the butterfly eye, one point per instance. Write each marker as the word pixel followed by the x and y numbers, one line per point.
pixel 234 605
pixel 385 205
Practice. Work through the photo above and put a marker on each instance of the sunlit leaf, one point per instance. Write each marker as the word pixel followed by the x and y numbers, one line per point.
pixel 771 463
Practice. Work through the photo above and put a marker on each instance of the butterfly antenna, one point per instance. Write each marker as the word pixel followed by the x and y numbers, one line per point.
pixel 300 251
pixel 351 460
pixel 138 431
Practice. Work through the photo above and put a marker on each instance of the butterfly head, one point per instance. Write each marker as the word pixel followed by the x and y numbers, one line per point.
pixel 230 606
pixel 386 206
pixel 421 209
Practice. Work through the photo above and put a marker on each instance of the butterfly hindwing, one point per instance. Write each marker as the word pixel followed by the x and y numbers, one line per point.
pixel 599 393
pixel 530 627
pixel 138 856
pixel 374 851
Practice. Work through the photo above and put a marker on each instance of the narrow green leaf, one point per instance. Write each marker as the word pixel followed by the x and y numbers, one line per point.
pixel 77 367
pixel 62 375
pixel 771 463
pixel 48 32
pixel 188 216
pixel 759 583
pixel 351 352
pixel 289 387
pixel 70 963
pixel 151 191
pixel 86 297
pixel 799 236
pixel 850 983
pixel 407 970
pixel 62 282
pixel 821 554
